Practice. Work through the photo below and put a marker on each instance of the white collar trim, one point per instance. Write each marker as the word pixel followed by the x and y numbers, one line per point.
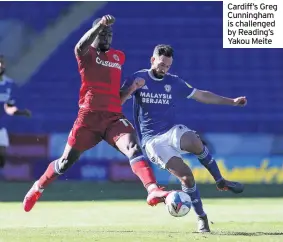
pixel 153 77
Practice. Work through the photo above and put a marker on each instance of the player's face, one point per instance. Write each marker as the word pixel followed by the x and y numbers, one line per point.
pixel 2 67
pixel 105 39
pixel 161 65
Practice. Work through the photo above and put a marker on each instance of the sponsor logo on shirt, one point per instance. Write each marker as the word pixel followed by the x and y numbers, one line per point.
pixel 108 63
pixel 156 98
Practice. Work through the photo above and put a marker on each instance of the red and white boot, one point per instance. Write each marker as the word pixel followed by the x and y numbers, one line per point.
pixel 156 195
pixel 31 197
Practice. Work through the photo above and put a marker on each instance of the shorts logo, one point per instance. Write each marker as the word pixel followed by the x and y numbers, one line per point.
pixel 168 88
pixel 152 159
pixel 116 57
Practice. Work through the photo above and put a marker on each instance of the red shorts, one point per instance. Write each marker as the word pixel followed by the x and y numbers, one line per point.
pixel 91 127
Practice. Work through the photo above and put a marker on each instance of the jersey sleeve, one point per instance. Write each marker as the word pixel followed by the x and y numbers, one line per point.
pixel 185 89
pixel 121 57
pixel 82 59
pixel 128 82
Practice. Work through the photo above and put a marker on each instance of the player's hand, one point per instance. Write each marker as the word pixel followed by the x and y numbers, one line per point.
pixel 240 101
pixel 138 83
pixel 107 20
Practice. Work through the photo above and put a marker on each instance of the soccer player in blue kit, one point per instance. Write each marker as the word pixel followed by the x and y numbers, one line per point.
pixel 155 94
pixel 9 107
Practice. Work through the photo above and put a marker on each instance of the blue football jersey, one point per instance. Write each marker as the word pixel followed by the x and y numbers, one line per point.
pixel 6 87
pixel 155 102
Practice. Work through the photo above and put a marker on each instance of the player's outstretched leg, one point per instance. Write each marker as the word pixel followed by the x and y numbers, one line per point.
pixel 55 168
pixel 178 168
pixel 127 144
pixel 191 142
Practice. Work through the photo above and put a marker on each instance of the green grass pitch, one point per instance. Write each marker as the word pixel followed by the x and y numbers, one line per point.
pixel 252 220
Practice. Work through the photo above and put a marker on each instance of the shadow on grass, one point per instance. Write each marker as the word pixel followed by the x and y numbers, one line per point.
pixel 248 234
pixel 95 191
pixel 217 233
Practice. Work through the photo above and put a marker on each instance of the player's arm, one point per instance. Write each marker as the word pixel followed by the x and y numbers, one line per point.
pixel 13 110
pixel 129 88
pixel 88 38
pixel 212 98
pixel 125 94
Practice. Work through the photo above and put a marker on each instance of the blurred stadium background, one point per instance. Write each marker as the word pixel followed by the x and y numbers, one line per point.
pixel 37 40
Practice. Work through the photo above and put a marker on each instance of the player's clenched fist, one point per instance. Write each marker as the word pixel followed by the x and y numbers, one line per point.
pixel 240 101
pixel 107 20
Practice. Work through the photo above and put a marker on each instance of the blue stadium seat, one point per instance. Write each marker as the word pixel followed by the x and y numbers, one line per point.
pixel 195 31
pixel 34 14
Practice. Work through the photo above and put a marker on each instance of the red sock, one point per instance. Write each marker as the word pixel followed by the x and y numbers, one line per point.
pixel 49 176
pixel 144 172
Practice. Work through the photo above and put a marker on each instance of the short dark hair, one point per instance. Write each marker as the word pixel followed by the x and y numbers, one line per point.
pixel 165 50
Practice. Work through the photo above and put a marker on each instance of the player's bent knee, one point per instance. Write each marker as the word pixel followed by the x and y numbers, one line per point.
pixel 133 151
pixel 191 142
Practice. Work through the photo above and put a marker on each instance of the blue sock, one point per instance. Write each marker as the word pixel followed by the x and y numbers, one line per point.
pixel 210 164
pixel 196 200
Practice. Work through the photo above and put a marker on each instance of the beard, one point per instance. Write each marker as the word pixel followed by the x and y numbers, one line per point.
pixel 104 47
pixel 157 75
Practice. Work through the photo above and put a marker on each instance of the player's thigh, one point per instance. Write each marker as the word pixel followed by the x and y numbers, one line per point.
pixel 185 140
pixel 4 138
pixel 82 138
pixel 159 151
pixel 191 142
pixel 121 135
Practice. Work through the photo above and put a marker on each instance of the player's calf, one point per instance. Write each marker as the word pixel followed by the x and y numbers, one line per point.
pixel 128 145
pixel 54 169
pixel 142 169
pixel 177 167
pixel 210 164
pixel 58 167
pixel 191 142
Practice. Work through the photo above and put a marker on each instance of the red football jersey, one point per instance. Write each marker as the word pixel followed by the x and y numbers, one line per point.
pixel 101 77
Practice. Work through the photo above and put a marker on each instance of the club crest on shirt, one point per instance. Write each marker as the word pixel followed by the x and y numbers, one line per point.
pixel 116 57
pixel 168 88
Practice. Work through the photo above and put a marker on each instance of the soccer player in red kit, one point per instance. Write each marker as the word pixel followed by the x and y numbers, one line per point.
pixel 100 115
